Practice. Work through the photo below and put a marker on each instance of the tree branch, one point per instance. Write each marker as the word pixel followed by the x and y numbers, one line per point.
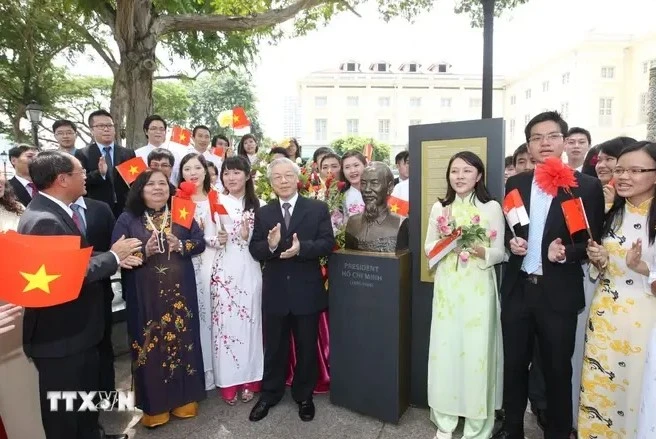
pixel 223 23
pixel 350 8
pixel 100 49
pixel 190 78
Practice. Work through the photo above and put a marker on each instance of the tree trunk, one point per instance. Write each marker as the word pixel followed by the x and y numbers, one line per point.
pixel 651 106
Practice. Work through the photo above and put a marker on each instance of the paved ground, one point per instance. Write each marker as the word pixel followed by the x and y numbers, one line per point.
pixel 216 420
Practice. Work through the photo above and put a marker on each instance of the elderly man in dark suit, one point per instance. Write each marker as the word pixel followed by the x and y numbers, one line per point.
pixel 100 159
pixel 542 290
pixel 63 340
pixel 290 235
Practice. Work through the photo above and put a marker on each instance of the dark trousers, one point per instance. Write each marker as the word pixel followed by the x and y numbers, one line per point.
pixel 525 316
pixel 106 349
pixel 537 391
pixel 276 356
pixel 78 372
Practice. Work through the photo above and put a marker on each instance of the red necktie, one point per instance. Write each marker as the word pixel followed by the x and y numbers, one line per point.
pixel 32 189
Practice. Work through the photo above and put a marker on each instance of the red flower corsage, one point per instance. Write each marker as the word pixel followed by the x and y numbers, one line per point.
pixel 186 190
pixel 554 174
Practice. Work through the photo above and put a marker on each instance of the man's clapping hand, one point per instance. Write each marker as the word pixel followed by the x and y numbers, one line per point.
pixel 102 166
pixel 8 314
pixel 293 250
pixel 274 237
pixel 125 247
pixel 518 246
pixel 556 251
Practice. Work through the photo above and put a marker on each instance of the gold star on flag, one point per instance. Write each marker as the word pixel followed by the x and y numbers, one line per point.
pixel 235 118
pixel 183 213
pixel 183 137
pixel 134 170
pixel 39 280
pixel 394 208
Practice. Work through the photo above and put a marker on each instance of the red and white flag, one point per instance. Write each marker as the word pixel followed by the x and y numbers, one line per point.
pixel 443 247
pixel 513 208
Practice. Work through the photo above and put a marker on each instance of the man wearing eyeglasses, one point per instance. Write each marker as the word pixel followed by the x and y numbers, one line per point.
pixel 65 134
pixel 154 127
pixel 100 159
pixel 542 290
pixel 577 144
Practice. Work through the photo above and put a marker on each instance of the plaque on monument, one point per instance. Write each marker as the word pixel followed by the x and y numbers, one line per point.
pixel 370 332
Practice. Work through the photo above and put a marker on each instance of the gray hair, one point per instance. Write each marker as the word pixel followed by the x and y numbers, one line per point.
pixel 282 161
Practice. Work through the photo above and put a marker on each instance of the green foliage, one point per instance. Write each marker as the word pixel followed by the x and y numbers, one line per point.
pixel 171 100
pixel 474 8
pixel 381 153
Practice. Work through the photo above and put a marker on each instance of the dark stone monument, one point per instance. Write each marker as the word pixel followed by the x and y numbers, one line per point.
pixel 370 305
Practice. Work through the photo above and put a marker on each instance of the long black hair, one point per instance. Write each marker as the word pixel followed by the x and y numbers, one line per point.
pixel 239 163
pixel 480 190
pixel 590 161
pixel 207 183
pixel 135 203
pixel 615 215
pixel 347 155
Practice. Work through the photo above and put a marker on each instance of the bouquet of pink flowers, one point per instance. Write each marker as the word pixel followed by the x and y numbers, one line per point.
pixel 470 235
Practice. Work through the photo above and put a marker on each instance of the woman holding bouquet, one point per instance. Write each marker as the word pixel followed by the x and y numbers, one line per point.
pixel 465 353
pixel 235 287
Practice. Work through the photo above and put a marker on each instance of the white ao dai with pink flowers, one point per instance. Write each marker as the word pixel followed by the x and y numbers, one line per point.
pixel 236 300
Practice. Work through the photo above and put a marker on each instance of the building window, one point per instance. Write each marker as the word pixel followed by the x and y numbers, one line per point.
pixel 320 101
pixel 321 129
pixel 441 68
pixel 605 112
pixel 565 78
pixel 608 72
pixel 350 67
pixel 445 102
pixel 384 101
pixel 412 68
pixel 643 107
pixel 352 101
pixel 527 119
pixel 415 122
pixel 545 86
pixel 513 100
pixel 415 102
pixel 475 102
pixel 381 67
pixel 383 129
pixel 512 127
pixel 352 127
pixel 564 110
pixel 527 93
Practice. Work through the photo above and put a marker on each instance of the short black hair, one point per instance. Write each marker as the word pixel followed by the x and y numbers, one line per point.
pixel 403 156
pixel 521 149
pixel 150 119
pixel 331 155
pixel 279 150
pixel 547 116
pixel 98 113
pixel 200 127
pixel 222 137
pixel 211 164
pixel 579 130
pixel 18 150
pixel 322 150
pixel 135 203
pixel 509 161
pixel 63 122
pixel 159 154
pixel 47 165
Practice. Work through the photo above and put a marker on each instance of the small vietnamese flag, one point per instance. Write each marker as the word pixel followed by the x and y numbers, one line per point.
pixel 131 169
pixel 239 118
pixel 215 206
pixel 398 206
pixel 181 135
pixel 575 216
pixel 41 276
pixel 368 151
pixel 182 211
pixel 218 151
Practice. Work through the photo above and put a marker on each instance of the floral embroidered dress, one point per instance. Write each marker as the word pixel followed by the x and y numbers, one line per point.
pixel 622 315
pixel 236 300
pixel 465 361
pixel 203 272
pixel 162 315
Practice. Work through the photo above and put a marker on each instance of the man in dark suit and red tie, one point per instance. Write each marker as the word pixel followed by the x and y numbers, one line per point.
pixel 290 235
pixel 100 159
pixel 542 290
pixel 21 156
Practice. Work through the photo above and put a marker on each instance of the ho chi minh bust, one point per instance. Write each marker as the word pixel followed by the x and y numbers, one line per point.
pixel 376 229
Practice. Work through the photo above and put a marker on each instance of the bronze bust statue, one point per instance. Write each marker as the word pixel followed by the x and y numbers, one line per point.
pixel 376 229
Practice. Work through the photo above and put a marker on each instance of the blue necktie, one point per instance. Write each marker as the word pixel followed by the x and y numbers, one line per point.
pixel 540 203
pixel 78 220
pixel 110 169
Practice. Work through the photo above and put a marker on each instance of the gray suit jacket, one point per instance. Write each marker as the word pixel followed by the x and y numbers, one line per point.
pixel 72 327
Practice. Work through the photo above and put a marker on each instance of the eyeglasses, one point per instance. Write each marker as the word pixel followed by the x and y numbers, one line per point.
pixel 65 133
pixel 79 171
pixel 632 171
pixel 278 178
pixel 539 138
pixel 104 126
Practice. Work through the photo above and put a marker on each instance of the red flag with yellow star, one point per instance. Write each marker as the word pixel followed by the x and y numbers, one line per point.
pixel 41 271
pixel 131 169
pixel 181 135
pixel 239 118
pixel 398 206
pixel 182 211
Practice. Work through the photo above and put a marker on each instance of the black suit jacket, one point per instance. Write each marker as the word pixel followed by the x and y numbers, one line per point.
pixel 564 281
pixel 100 225
pixel 100 188
pixel 72 327
pixel 21 193
pixel 293 285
